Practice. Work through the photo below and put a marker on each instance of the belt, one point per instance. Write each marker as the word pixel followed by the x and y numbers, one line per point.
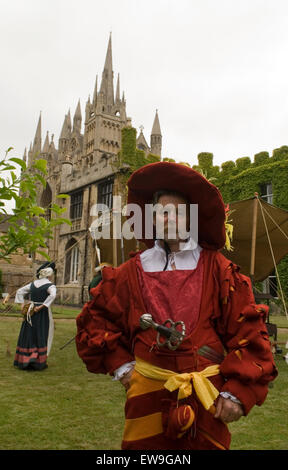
pixel 204 389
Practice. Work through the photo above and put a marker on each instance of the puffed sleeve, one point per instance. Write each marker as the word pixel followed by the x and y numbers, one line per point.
pixel 21 292
pixel 103 339
pixel 249 364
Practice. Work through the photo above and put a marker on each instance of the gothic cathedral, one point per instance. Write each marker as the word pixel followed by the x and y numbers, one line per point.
pixel 82 167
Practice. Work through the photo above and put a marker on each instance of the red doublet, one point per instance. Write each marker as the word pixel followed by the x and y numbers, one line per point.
pixel 181 286
pixel 229 321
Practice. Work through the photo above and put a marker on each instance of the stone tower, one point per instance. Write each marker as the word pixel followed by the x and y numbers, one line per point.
pixel 105 116
pixel 84 166
pixel 156 137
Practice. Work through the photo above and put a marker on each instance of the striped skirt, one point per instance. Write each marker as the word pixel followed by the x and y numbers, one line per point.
pixel 154 420
pixel 31 351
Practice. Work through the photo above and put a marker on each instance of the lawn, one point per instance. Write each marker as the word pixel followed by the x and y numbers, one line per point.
pixel 64 407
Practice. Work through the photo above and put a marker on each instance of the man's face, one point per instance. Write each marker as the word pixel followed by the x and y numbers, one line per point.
pixel 174 214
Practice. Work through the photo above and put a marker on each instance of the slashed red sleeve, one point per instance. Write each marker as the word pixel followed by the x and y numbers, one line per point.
pixel 249 364
pixel 102 339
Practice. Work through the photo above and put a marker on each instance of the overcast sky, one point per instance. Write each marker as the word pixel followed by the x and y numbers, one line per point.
pixel 216 70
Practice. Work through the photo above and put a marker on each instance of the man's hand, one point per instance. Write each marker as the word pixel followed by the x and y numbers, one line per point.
pixel 36 309
pixel 227 410
pixel 125 380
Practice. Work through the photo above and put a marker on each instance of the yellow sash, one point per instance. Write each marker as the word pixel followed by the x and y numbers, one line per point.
pixel 205 390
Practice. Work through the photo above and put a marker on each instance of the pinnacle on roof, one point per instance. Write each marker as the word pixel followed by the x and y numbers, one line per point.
pixel 78 114
pixel 118 89
pixel 66 128
pixel 77 118
pixel 69 126
pixel 37 138
pixel 52 145
pixel 156 125
pixel 141 141
pixel 107 77
pixel 46 144
pixel 95 91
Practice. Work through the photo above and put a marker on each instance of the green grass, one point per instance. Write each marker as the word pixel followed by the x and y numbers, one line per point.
pixel 265 427
pixel 62 407
pixel 65 407
pixel 280 320
pixel 59 311
pixel 65 311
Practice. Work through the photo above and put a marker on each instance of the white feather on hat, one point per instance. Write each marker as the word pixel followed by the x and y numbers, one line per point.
pixel 101 266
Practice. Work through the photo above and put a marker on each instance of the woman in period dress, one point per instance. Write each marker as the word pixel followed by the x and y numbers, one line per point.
pixel 36 334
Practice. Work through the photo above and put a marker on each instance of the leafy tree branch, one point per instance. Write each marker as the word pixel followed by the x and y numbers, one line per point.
pixel 28 226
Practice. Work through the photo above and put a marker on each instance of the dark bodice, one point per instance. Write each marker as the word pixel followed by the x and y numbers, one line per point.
pixel 39 294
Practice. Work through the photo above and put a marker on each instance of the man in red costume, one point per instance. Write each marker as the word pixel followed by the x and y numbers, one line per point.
pixel 182 392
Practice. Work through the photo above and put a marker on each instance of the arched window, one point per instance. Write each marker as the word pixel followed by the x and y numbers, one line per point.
pixel 105 192
pixel 72 260
pixel 76 203
pixel 141 147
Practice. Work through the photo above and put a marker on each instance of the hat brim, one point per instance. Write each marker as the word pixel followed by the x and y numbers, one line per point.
pixel 145 181
pixel 47 264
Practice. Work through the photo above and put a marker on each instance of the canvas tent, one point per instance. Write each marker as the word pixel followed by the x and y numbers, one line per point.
pixel 260 236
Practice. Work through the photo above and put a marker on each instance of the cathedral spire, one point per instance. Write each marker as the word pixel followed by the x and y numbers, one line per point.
pixel 156 125
pixel 64 131
pixel 107 77
pixel 118 90
pixel 46 144
pixel 66 128
pixel 156 136
pixel 77 120
pixel 95 91
pixel 69 125
pixel 37 139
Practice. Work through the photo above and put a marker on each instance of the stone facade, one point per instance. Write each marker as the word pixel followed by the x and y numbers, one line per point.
pixel 16 273
pixel 84 167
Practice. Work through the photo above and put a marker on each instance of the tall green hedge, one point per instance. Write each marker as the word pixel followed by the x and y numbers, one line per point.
pixel 237 180
pixel 130 154
pixel 241 179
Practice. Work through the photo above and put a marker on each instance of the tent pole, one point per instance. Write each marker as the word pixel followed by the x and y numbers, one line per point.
pixel 115 252
pixel 114 244
pixel 254 231
pixel 275 264
pixel 116 212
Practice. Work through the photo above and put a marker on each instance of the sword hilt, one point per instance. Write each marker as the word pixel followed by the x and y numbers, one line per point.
pixel 146 321
pixel 173 336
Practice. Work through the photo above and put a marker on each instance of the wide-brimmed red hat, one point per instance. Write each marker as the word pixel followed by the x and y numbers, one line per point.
pixel 145 181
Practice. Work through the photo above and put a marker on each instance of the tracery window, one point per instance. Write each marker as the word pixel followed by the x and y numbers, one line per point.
pixel 105 192
pixel 72 260
pixel 76 205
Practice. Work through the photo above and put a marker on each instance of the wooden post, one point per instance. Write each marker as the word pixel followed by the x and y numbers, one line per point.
pixel 114 222
pixel 254 232
pixel 115 252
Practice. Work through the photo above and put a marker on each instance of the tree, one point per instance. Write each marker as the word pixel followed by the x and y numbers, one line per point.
pixel 28 228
